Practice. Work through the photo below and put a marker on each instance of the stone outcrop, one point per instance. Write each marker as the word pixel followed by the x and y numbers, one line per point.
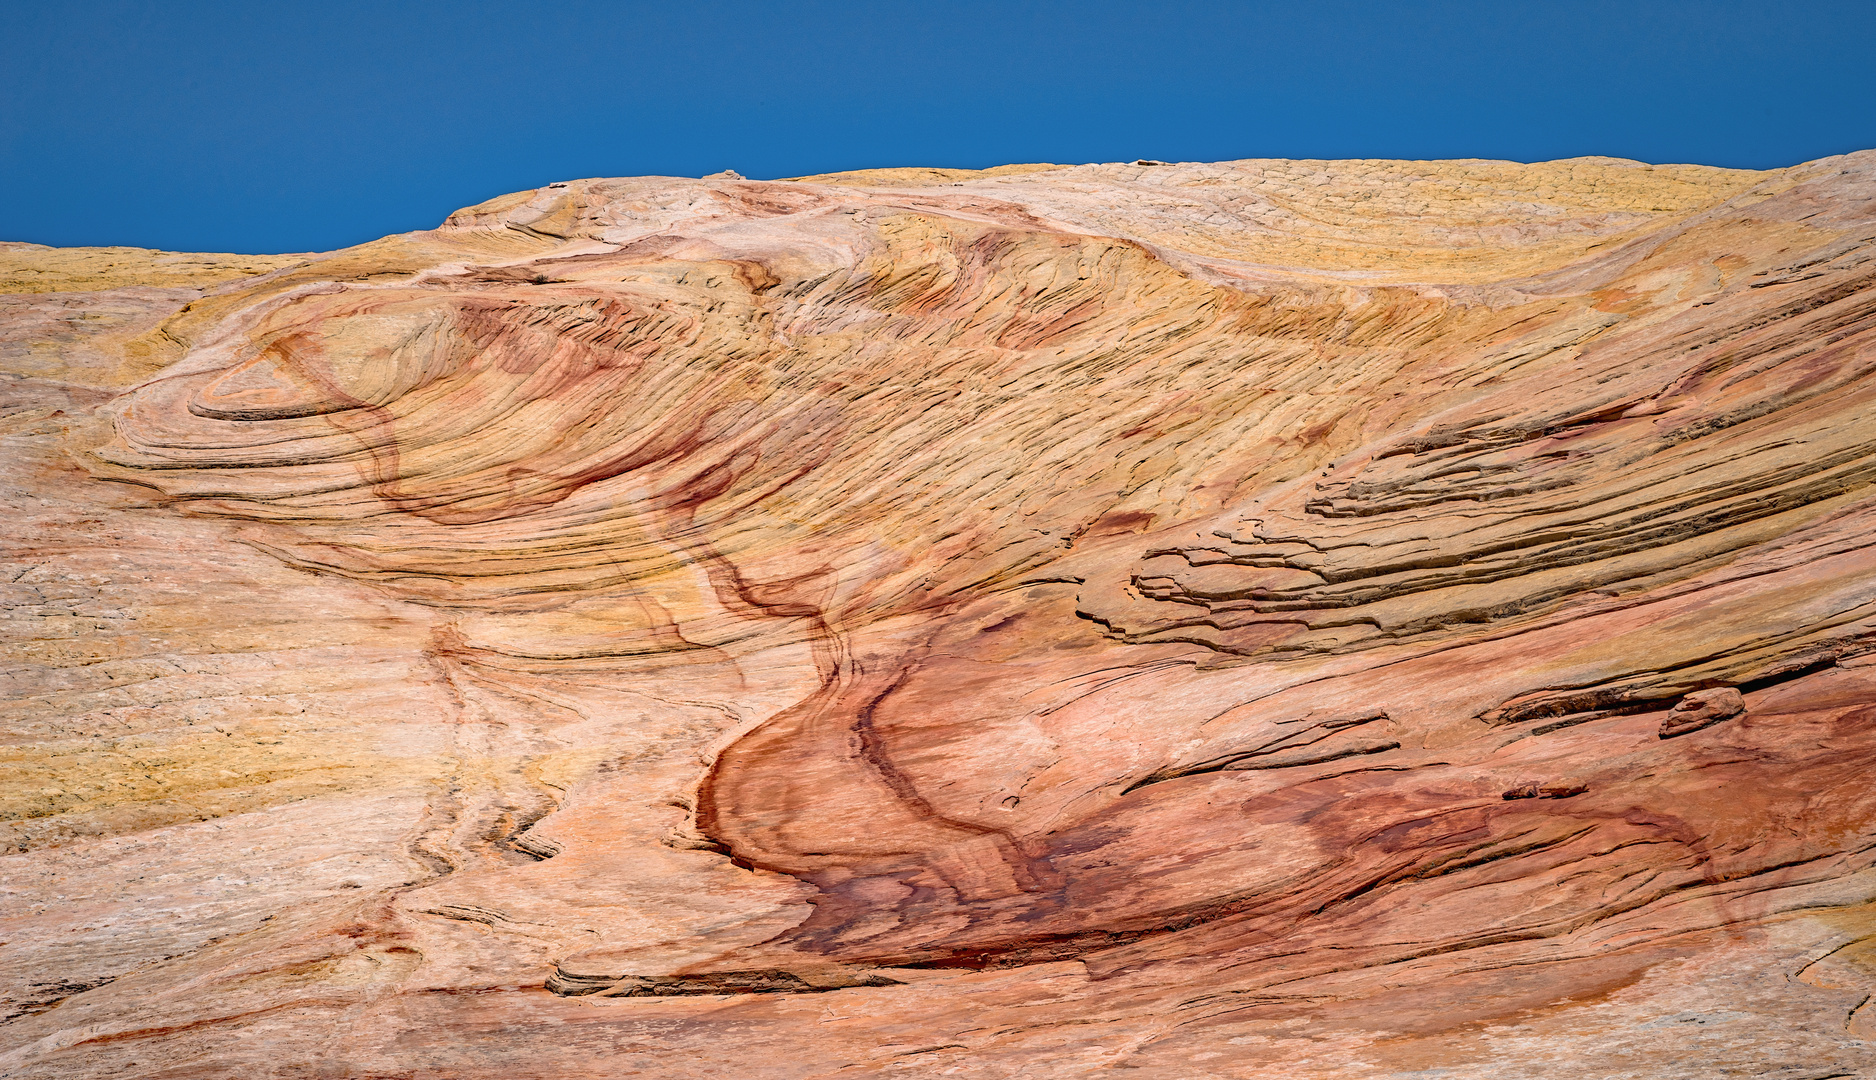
pixel 1263 618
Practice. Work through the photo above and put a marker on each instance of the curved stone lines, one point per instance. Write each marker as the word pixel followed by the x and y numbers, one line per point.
pixel 1156 622
pixel 1632 489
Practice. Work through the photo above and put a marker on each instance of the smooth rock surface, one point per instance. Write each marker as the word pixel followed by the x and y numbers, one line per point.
pixel 1264 618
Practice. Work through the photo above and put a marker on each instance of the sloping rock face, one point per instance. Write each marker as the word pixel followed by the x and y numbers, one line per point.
pixel 1305 619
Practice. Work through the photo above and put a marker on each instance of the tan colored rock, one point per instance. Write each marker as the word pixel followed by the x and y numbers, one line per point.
pixel 1703 708
pixel 1309 619
pixel 35 268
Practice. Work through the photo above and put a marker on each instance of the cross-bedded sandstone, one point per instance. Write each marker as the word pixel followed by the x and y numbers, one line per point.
pixel 1045 618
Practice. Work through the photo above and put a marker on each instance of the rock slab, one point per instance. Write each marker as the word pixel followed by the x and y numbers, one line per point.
pixel 1263 618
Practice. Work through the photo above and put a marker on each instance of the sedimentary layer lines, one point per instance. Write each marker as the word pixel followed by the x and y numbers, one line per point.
pixel 1246 585
pixel 865 419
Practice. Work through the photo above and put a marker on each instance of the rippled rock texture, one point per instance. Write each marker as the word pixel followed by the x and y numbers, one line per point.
pixel 1304 619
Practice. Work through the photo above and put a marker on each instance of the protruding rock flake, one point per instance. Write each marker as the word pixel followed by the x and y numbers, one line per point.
pixel 1307 619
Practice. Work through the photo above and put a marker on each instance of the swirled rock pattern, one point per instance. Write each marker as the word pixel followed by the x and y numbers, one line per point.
pixel 1265 618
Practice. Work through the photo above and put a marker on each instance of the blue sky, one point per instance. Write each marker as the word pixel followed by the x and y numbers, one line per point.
pixel 273 127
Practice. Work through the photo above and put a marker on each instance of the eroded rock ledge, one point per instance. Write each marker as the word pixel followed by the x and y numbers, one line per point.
pixel 1252 618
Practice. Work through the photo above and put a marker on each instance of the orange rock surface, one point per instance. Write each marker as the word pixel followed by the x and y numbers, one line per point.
pixel 1265 618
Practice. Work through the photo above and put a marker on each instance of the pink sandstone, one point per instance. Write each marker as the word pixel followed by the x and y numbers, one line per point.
pixel 1264 618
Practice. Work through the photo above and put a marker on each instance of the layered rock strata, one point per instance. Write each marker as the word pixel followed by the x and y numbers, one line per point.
pixel 1250 619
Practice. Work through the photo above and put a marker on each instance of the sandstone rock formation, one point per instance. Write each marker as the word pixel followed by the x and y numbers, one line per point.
pixel 1267 618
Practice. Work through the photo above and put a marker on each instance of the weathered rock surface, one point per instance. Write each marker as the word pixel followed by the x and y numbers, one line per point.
pixel 1306 619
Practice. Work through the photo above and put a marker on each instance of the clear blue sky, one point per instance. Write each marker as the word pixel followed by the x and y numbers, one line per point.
pixel 273 126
